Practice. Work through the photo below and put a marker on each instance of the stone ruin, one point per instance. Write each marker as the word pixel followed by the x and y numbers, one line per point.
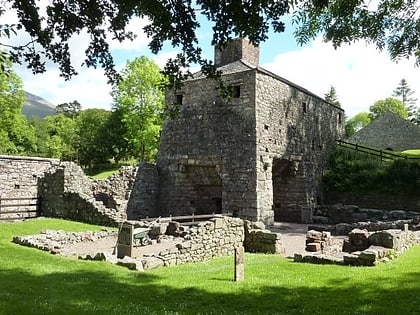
pixel 359 246
pixel 192 243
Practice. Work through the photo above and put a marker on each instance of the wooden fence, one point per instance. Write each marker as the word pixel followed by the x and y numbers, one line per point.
pixel 19 208
pixel 382 154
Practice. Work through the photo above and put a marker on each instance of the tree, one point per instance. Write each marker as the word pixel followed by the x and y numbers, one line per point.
pixel 356 123
pixel 56 137
pixel 175 21
pixel 388 24
pixel 92 137
pixel 388 105
pixel 139 102
pixel 332 97
pixel 69 109
pixel 406 94
pixel 16 135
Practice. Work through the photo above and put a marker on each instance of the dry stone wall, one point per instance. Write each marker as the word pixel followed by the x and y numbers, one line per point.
pixel 65 191
pixel 20 176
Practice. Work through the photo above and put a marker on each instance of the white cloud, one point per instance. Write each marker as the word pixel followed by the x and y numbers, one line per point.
pixel 360 74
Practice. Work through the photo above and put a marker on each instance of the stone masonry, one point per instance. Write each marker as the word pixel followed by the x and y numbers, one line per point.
pixel 258 155
pixel 389 131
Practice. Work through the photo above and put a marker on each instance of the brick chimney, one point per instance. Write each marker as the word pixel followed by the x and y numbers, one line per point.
pixel 236 49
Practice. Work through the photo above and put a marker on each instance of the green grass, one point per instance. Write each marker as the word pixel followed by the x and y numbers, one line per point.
pixel 35 282
pixel 412 152
pixel 104 174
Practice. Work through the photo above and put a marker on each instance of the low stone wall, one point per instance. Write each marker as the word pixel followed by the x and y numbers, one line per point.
pixel 206 240
pixel 214 238
pixel 361 248
pixel 374 201
pixel 260 240
pixel 351 213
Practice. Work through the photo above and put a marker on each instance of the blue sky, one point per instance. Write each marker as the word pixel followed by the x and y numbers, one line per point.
pixel 360 73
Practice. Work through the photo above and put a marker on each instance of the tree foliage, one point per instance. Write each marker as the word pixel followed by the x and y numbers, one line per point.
pixel 92 143
pixel 332 97
pixel 388 105
pixel 405 93
pixel 388 24
pixel 167 20
pixel 56 137
pixel 16 135
pixel 70 109
pixel 139 104
pixel 357 122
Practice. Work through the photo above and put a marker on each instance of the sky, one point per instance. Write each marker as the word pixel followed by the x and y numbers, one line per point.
pixel 360 74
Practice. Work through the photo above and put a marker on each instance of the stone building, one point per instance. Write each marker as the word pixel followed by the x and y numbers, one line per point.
pixel 389 131
pixel 259 154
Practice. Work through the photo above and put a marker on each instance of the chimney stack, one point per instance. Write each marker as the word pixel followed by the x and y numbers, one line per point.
pixel 234 50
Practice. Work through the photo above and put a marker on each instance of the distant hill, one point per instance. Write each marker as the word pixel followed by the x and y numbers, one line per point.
pixel 37 106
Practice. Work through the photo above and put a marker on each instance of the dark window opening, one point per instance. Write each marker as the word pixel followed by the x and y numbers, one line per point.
pixel 236 91
pixel 266 127
pixel 339 118
pixel 179 99
pixel 17 186
pixel 304 107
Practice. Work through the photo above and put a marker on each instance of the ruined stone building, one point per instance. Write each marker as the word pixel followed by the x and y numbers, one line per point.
pixel 258 155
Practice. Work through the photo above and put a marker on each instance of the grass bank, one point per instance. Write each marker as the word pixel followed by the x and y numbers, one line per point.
pixel 35 282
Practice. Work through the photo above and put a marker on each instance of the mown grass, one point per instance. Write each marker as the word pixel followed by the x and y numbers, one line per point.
pixel 35 282
pixel 104 174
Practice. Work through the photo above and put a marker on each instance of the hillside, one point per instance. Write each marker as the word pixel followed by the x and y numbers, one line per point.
pixel 37 106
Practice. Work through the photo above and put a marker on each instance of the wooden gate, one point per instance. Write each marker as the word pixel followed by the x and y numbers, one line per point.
pixel 19 208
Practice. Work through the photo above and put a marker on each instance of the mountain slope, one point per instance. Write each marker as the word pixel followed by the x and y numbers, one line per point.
pixel 37 106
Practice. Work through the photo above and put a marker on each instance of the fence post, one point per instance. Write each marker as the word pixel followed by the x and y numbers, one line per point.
pixel 0 205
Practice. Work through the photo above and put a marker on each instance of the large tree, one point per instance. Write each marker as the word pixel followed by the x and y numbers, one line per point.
pixel 16 135
pixel 175 21
pixel 139 103
pixel 332 97
pixel 70 109
pixel 56 137
pixel 92 143
pixel 357 122
pixel 390 24
pixel 405 93
pixel 388 105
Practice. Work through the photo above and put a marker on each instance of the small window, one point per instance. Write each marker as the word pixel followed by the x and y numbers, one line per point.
pixel 179 99
pixel 304 107
pixel 17 186
pixel 339 118
pixel 236 91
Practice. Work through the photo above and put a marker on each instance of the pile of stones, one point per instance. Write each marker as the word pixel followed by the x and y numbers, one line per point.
pixel 360 248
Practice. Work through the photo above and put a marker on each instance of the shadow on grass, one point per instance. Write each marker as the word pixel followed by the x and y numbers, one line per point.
pixel 99 292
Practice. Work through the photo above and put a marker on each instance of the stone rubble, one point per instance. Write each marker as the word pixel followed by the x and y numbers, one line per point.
pixel 361 248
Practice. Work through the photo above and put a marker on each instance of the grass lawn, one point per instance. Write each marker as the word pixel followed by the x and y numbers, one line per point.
pixel 35 282
pixel 105 174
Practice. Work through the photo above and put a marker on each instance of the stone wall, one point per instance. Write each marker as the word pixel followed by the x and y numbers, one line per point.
pixel 214 238
pixel 258 154
pixel 20 176
pixel 389 131
pixel 207 159
pixel 296 131
pixel 65 191
pixel 374 201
